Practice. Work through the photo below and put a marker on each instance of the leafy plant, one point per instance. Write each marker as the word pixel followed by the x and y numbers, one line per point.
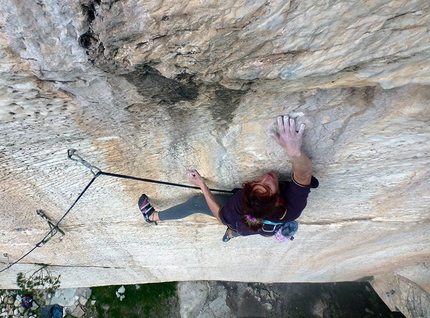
pixel 39 284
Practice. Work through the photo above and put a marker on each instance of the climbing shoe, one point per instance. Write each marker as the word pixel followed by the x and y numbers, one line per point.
pixel 146 208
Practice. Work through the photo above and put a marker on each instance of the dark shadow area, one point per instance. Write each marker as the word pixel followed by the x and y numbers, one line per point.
pixel 254 300
pixel 328 300
pixel 150 83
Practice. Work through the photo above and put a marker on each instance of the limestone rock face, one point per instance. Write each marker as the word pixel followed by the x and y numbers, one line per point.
pixel 154 88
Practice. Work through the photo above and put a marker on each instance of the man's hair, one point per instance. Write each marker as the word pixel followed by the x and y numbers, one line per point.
pixel 259 203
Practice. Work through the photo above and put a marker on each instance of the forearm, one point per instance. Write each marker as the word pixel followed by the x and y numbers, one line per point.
pixel 196 179
pixel 302 168
pixel 214 206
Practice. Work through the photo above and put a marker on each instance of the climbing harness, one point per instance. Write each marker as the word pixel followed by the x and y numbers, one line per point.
pixel 272 226
pixel 283 231
pixel 96 172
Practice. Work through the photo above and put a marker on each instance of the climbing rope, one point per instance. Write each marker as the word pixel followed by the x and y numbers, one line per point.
pixel 54 228
pixel 96 172
pixel 71 153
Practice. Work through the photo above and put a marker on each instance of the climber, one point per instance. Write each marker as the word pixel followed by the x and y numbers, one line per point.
pixel 262 205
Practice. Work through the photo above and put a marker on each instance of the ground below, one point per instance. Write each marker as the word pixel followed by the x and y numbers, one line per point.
pixel 211 299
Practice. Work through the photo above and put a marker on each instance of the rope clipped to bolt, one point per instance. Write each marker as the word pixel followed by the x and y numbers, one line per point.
pixel 96 172
pixel 71 153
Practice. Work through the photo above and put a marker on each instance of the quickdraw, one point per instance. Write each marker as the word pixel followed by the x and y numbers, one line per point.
pixel 96 172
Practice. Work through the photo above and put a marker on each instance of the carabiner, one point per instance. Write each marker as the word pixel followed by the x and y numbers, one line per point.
pixel 71 154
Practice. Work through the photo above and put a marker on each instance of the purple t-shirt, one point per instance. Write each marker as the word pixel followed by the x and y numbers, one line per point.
pixel 294 195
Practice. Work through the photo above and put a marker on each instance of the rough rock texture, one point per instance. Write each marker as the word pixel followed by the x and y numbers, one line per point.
pixel 237 299
pixel 151 89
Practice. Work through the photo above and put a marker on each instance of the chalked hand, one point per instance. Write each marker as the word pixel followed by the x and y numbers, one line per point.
pixel 195 178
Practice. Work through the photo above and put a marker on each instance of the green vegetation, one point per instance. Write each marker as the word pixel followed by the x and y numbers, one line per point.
pixel 38 284
pixel 149 300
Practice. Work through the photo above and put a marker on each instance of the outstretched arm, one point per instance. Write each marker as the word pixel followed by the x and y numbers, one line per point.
pixel 291 140
pixel 196 179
